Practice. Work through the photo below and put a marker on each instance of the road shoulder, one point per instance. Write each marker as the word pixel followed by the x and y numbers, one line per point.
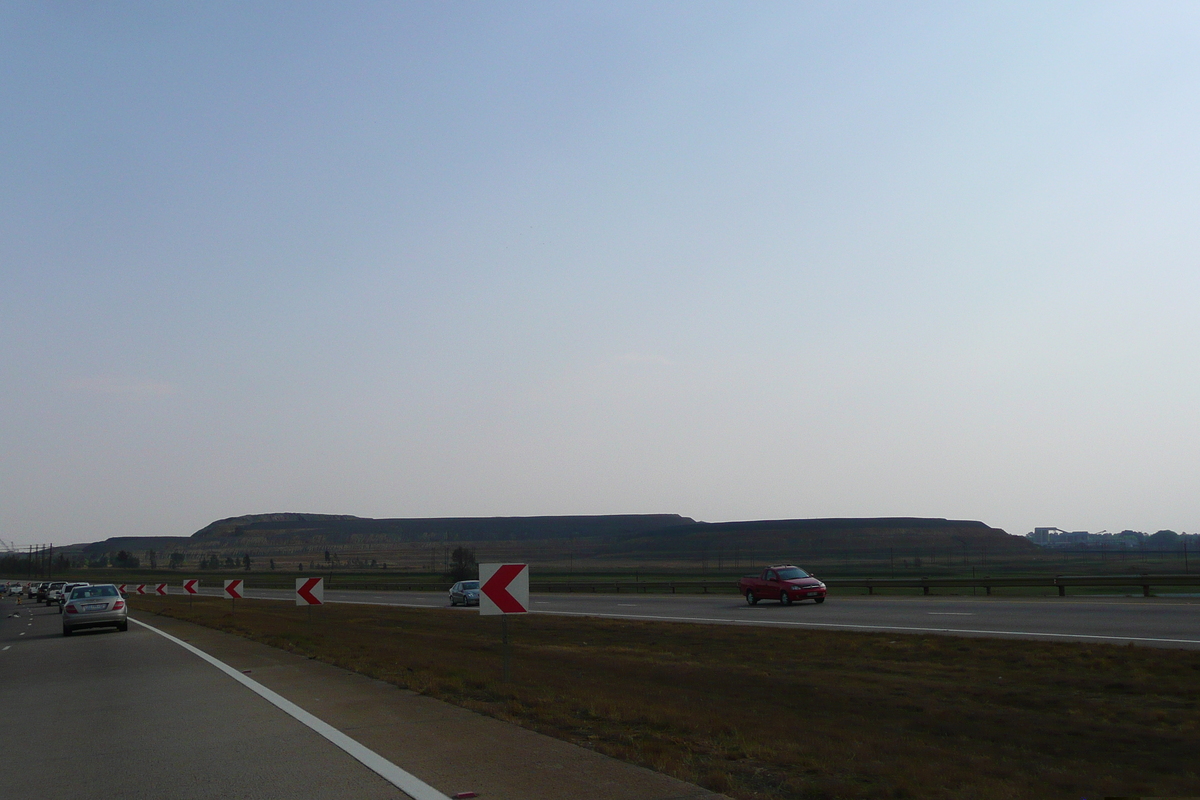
pixel 451 748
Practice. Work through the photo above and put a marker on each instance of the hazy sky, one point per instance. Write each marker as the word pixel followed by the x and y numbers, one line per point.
pixel 733 260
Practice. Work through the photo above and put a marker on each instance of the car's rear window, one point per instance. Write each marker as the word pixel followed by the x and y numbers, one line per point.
pixel 791 574
pixel 471 585
pixel 84 592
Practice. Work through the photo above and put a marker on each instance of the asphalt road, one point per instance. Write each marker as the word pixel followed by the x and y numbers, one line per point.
pixel 111 714
pixel 1161 622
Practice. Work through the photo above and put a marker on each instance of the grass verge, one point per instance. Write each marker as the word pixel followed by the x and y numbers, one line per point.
pixel 761 713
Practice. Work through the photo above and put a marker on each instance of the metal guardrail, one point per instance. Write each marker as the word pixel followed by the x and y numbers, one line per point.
pixel 729 586
pixel 987 583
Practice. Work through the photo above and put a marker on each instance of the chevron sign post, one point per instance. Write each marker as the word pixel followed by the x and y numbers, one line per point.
pixel 504 590
pixel 191 586
pixel 233 590
pixel 310 591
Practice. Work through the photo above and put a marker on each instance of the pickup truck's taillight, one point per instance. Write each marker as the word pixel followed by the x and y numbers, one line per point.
pixel 117 606
pixel 72 609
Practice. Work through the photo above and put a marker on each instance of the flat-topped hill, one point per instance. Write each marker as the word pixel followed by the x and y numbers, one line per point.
pixel 600 542
pixel 340 529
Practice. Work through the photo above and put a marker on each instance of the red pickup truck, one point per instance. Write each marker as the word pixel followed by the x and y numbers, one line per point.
pixel 784 583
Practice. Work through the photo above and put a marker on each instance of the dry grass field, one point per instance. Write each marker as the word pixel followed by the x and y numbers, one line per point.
pixel 760 713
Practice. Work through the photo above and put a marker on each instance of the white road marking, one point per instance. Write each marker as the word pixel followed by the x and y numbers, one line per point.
pixel 409 784
pixel 847 625
pixel 950 613
pixel 7 646
pixel 22 633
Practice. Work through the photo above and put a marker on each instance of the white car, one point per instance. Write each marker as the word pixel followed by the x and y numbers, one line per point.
pixel 54 593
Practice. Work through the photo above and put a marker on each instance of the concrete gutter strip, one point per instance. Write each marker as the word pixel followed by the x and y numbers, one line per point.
pixel 409 784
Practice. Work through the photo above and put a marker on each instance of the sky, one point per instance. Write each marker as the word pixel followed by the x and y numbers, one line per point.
pixel 727 260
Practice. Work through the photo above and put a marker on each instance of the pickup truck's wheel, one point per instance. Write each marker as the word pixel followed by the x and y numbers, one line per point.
pixel 751 599
pixel 785 599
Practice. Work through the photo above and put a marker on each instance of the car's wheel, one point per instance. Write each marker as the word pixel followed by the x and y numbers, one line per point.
pixel 453 602
pixel 122 626
pixel 785 599
pixel 819 599
pixel 751 599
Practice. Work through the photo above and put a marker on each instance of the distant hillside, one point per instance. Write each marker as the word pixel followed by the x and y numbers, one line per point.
pixel 131 544
pixel 280 529
pixel 833 537
pixel 595 542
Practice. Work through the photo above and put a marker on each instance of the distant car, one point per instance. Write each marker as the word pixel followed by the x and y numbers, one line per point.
pixel 465 592
pixel 54 592
pixel 42 589
pixel 95 607
pixel 66 592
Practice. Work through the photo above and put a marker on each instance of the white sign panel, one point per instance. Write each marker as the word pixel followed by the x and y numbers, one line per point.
pixel 503 589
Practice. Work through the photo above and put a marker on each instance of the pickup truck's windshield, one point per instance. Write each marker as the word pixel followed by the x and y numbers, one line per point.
pixel 791 573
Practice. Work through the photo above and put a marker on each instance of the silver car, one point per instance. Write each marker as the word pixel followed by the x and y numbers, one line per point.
pixel 465 592
pixel 66 592
pixel 95 607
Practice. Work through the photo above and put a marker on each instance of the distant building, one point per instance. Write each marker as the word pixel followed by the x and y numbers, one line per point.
pixel 1044 536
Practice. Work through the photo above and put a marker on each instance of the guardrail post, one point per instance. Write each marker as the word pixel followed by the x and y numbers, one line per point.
pixel 989 589
pixel 1145 590
pixel 870 589
pixel 925 587
pixel 1062 590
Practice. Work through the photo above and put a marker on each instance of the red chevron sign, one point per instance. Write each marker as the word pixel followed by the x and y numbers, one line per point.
pixel 233 589
pixel 190 585
pixel 141 588
pixel 504 589
pixel 121 588
pixel 310 591
pixel 161 589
